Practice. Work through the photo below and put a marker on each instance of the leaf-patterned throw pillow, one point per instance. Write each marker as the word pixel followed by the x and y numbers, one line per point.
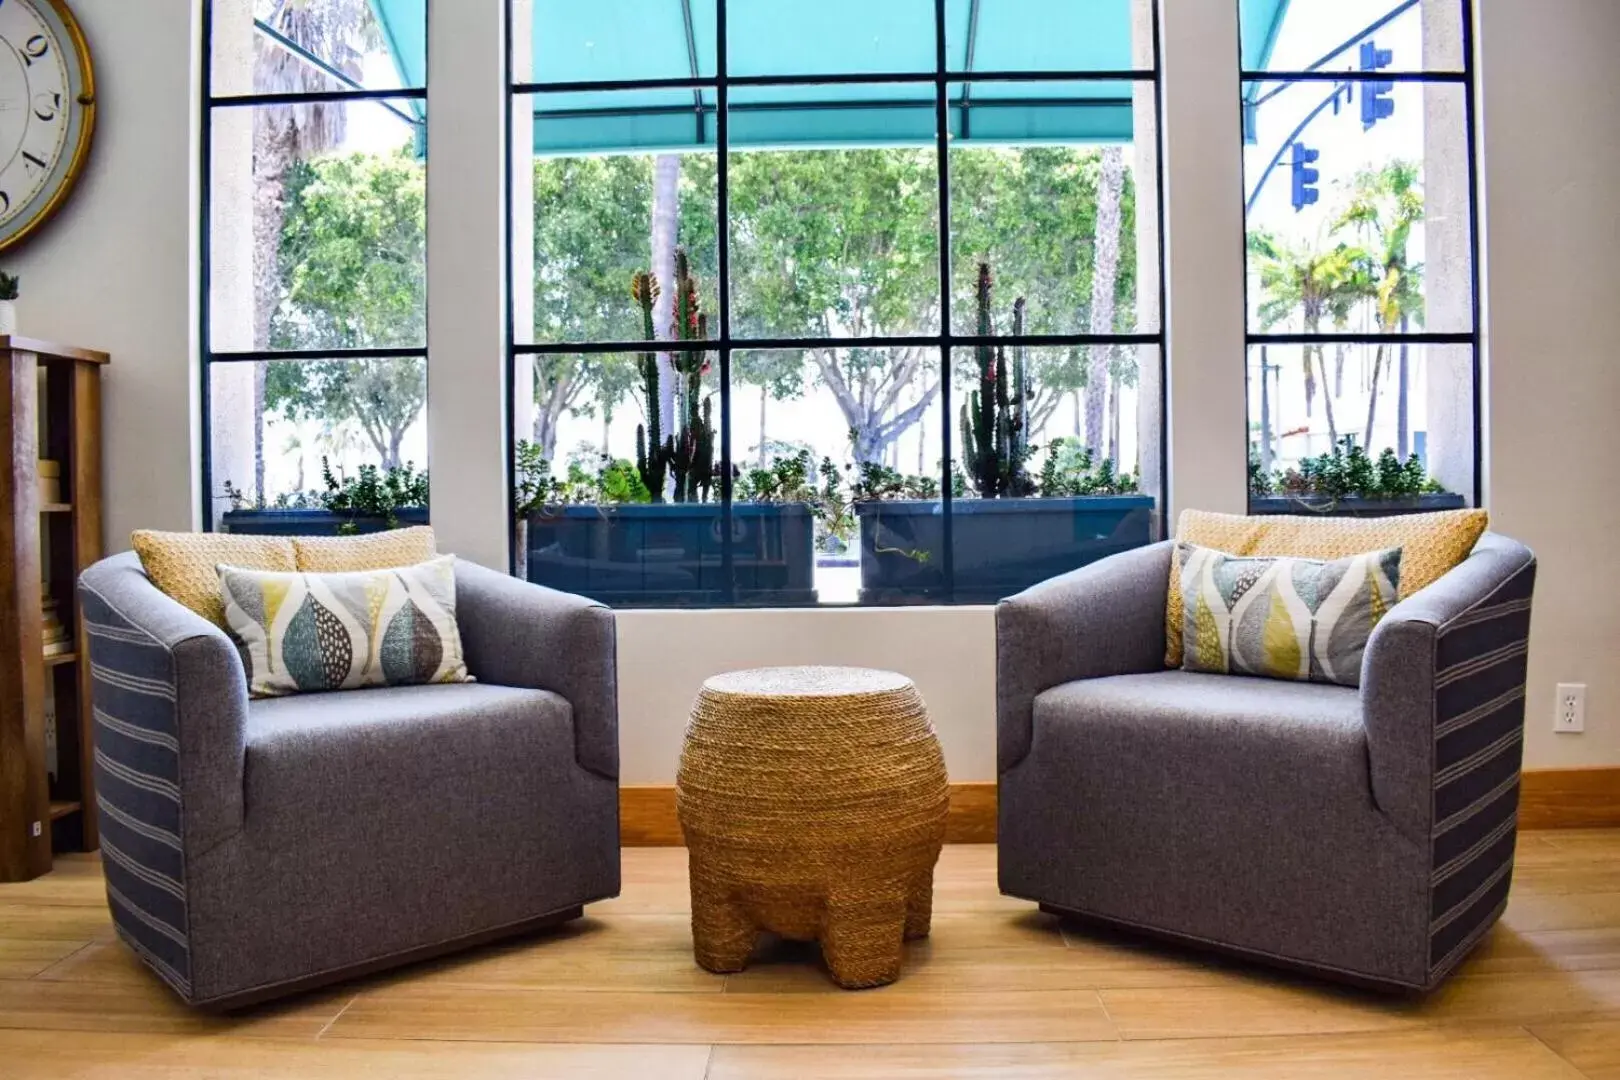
pixel 299 633
pixel 1301 619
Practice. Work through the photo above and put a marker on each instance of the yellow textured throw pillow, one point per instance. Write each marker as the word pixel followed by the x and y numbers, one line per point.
pixel 184 565
pixel 1431 545
pixel 374 551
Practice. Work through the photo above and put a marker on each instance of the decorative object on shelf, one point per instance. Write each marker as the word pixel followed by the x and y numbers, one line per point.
pixel 50 482
pixel 813 800
pixel 50 134
pixel 43 547
pixel 53 631
pixel 8 303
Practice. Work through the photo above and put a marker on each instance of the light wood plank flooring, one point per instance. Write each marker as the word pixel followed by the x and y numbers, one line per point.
pixel 998 991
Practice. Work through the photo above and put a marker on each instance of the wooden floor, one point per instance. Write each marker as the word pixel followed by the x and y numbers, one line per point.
pixel 999 990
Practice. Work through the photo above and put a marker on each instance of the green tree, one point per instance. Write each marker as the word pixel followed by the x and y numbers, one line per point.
pixel 1385 205
pixel 836 243
pixel 352 261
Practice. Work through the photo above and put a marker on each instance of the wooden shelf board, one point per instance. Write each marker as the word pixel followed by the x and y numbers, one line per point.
pixel 61 658
pixel 18 343
pixel 63 809
pixel 56 508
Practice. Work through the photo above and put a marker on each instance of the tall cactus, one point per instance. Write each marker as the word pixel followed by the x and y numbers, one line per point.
pixel 652 454
pixel 995 440
pixel 687 455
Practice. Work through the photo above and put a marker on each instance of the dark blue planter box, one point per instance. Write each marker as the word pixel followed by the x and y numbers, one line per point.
pixel 671 554
pixel 311 522
pixel 1353 506
pixel 1001 546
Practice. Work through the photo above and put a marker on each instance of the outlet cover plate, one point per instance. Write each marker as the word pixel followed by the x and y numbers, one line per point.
pixel 1569 709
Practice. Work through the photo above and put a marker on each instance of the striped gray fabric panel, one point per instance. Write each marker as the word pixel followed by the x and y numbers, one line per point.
pixel 137 757
pixel 1480 670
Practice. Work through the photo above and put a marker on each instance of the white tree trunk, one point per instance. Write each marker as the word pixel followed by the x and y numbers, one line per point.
pixel 1104 281
pixel 666 209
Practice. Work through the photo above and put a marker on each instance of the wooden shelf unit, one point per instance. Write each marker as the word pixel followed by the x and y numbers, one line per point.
pixel 50 407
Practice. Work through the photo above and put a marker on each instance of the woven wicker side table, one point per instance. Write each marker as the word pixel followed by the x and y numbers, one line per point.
pixel 813 801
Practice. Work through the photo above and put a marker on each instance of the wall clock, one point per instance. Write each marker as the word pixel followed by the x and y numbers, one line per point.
pixel 47 112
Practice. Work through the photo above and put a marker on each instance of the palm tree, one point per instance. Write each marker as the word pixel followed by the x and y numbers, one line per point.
pixel 340 32
pixel 1315 282
pixel 1385 204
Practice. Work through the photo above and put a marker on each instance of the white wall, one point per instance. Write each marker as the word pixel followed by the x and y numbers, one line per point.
pixel 116 272
pixel 115 269
pixel 1552 325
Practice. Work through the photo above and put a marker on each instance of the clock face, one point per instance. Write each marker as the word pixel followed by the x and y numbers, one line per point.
pixel 47 111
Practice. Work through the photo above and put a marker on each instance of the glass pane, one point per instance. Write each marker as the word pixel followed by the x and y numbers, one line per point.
pixel 618 476
pixel 597 220
pixel 612 40
pixel 833 243
pixel 317 222
pixel 276 47
pixel 833 37
pixel 838 431
pixel 1039 35
pixel 1068 226
pixel 1415 402
pixel 294 444
pixel 1059 486
pixel 1386 244
pixel 1339 35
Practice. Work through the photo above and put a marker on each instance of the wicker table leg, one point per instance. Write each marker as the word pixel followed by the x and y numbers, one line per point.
pixel 863 941
pixel 920 906
pixel 723 935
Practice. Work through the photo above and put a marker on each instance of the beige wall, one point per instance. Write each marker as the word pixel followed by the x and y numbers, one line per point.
pixel 116 272
pixel 1552 196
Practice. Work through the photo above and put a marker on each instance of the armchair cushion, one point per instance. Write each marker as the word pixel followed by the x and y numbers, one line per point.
pixel 389 753
pixel 309 632
pixel 373 551
pixel 1286 618
pixel 184 566
pixel 1431 545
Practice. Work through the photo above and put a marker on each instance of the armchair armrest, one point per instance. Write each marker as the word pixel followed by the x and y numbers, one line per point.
pixel 1442 690
pixel 1103 619
pixel 518 634
pixel 167 688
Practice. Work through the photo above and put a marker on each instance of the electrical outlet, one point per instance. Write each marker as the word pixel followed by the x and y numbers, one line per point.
pixel 1569 713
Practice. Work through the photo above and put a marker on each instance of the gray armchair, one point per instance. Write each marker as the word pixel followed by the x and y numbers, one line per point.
pixel 1365 835
pixel 254 848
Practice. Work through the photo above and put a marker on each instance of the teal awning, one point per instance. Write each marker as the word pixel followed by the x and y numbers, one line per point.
pixel 614 41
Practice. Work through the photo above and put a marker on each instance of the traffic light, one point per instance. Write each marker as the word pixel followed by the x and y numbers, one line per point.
pixel 1376 103
pixel 1305 177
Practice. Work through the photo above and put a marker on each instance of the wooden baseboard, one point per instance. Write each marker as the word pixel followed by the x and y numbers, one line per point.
pixel 1569 799
pixel 1548 799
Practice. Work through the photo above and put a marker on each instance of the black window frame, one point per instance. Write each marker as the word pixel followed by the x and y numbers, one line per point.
pixel 945 341
pixel 208 356
pixel 1462 76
